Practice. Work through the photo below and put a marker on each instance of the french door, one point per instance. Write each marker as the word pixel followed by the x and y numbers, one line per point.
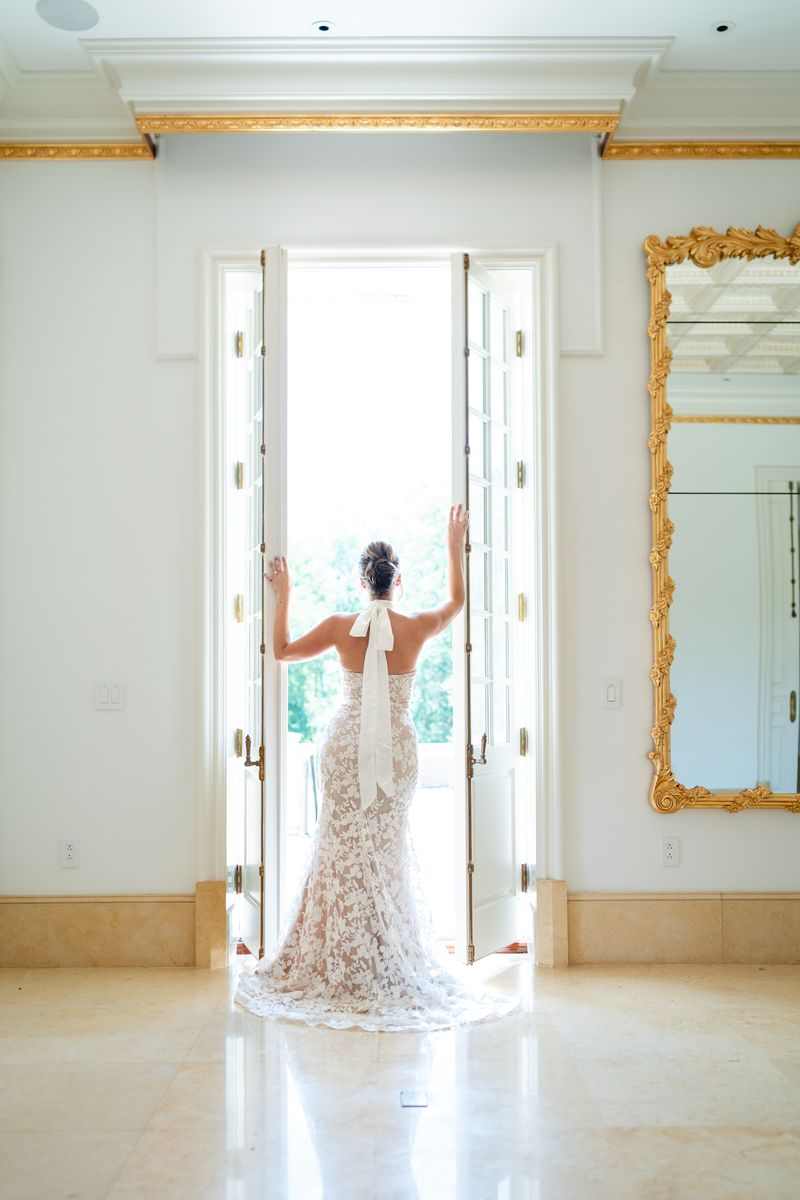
pixel 487 703
pixel 489 729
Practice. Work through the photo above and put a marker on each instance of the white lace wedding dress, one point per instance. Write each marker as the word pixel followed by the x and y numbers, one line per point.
pixel 358 947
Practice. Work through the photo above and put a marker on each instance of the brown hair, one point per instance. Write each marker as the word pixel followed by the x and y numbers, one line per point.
pixel 379 567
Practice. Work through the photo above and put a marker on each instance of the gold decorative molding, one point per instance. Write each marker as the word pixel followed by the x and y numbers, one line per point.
pixel 723 419
pixel 155 123
pixel 705 247
pixel 77 150
pixel 638 151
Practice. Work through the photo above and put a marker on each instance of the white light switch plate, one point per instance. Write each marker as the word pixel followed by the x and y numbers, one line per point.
pixel 612 693
pixel 109 695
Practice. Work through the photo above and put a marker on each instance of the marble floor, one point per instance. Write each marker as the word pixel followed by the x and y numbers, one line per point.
pixel 654 1083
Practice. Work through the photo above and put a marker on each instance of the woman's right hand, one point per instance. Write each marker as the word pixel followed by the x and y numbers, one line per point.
pixel 457 528
pixel 277 573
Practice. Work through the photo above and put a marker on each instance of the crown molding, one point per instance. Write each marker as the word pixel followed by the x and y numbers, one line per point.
pixel 398 49
pixel 38 151
pixel 693 150
pixel 165 123
pixel 436 75
pixel 613 86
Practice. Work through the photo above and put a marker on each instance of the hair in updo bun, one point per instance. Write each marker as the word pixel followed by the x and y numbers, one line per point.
pixel 379 566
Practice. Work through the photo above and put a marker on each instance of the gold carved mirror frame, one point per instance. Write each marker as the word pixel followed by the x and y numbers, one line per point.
pixel 704 247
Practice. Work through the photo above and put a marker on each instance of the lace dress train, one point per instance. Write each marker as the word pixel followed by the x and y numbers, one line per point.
pixel 358 947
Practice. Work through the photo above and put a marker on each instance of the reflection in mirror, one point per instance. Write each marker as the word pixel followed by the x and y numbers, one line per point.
pixel 734 387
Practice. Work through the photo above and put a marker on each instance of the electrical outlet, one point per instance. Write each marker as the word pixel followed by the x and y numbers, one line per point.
pixel 670 851
pixel 68 852
pixel 109 695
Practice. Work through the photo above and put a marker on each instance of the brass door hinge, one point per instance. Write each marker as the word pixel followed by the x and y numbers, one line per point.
pixel 240 343
pixel 238 607
pixel 520 474
pixel 239 475
pixel 793 707
pixel 527 876
pixel 237 879
pixel 238 742
pixel 518 343
pixel 522 606
pixel 523 742
pixel 523 877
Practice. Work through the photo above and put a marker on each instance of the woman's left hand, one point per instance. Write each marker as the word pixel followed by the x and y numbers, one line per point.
pixel 277 573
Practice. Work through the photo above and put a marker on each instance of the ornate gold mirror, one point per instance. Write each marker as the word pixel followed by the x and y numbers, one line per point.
pixel 725 502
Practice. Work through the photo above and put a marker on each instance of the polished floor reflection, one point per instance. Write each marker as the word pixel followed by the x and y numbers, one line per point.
pixel 654 1083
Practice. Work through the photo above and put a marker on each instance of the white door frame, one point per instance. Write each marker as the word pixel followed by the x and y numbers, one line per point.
pixel 211 716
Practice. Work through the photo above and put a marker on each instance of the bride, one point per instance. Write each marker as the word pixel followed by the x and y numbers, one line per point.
pixel 358 947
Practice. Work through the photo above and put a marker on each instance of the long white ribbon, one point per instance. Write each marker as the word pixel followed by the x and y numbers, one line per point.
pixel 375 739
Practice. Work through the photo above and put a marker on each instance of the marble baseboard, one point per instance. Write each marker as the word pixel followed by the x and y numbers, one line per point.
pixel 211 924
pixel 172 930
pixel 695 927
pixel 551 923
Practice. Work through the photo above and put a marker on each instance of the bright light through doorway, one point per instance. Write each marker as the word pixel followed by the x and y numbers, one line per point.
pixel 369 457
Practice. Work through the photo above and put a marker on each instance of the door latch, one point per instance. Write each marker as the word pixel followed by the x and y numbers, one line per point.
pixel 472 761
pixel 254 762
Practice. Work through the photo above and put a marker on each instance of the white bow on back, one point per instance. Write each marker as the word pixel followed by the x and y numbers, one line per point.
pixel 375 741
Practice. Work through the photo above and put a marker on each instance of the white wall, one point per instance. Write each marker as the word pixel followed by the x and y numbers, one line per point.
pixel 611 832
pixel 99 484
pixel 98 543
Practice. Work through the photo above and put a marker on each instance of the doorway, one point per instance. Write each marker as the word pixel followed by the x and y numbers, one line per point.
pixel 369 374
pixel 361 395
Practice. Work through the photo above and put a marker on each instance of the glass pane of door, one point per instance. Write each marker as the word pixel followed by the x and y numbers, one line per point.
pixel 488 325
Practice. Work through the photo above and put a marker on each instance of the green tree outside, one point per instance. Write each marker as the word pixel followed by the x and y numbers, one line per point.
pixel 325 580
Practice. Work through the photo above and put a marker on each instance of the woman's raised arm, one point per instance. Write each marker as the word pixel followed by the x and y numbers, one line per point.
pixel 436 619
pixel 316 641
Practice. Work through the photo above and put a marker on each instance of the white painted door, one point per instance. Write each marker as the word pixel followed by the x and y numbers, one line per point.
pixel 487 728
pixel 254 372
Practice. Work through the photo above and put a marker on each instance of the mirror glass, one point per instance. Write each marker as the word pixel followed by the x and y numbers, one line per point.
pixel 734 388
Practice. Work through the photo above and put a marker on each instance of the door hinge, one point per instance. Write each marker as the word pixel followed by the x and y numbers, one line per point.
pixel 523 742
pixel 238 607
pixel 238 742
pixel 523 877
pixel 522 606
pixel 527 876
pixel 263 258
pixel 262 350
pixel 466 262
pixel 470 953
pixel 239 343
pixel 518 343
pixel 520 474
pixel 237 879
pixel 239 475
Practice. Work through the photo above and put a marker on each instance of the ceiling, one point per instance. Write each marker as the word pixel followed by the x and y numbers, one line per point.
pixel 662 67
pixel 737 317
pixel 766 35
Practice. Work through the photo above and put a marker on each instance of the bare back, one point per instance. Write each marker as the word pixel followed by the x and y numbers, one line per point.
pixel 410 634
